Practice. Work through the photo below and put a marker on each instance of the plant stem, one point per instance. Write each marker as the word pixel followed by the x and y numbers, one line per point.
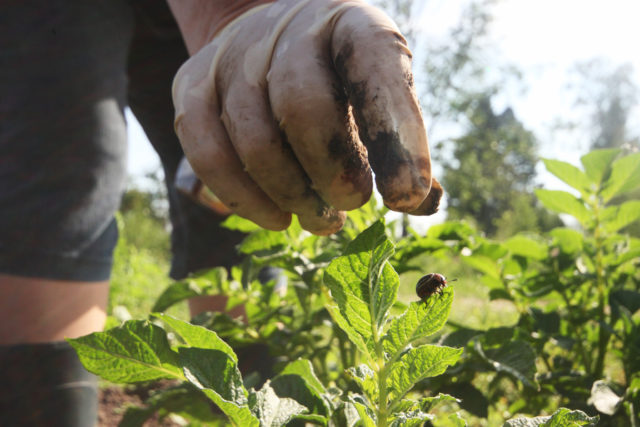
pixel 379 365
pixel 586 359
pixel 601 286
pixel 382 387
pixel 632 412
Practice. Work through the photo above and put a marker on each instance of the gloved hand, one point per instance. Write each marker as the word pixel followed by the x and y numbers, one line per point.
pixel 272 111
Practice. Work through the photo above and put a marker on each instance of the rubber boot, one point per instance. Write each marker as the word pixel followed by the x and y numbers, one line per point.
pixel 46 385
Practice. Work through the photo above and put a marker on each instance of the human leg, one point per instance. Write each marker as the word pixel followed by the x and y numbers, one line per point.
pixel 41 310
pixel 198 241
pixel 42 380
pixel 62 150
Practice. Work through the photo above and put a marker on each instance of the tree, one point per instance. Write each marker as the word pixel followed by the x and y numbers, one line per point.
pixel 609 96
pixel 455 69
pixel 489 165
pixel 400 10
pixel 490 180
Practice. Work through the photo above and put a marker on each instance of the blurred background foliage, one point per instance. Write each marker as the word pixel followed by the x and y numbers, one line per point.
pixel 485 155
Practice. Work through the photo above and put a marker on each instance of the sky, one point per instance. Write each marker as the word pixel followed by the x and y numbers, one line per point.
pixel 543 38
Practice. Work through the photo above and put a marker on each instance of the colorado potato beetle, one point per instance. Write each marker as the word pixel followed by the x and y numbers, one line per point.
pixel 430 284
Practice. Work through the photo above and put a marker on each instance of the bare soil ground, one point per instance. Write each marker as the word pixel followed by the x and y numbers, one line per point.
pixel 114 399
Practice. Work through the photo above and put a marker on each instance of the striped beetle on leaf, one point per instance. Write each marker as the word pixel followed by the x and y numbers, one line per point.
pixel 430 284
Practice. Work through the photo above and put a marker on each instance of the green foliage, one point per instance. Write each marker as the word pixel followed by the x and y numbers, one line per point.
pixel 490 178
pixel 135 351
pixel 141 258
pixel 568 287
pixel 346 351
pixel 361 294
pixel 364 287
pixel 562 417
pixel 607 97
pixel 146 222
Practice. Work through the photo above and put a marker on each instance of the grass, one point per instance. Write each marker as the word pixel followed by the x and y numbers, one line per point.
pixel 141 269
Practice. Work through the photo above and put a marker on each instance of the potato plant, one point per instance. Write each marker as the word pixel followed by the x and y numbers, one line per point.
pixel 363 288
pixel 576 290
pixel 345 351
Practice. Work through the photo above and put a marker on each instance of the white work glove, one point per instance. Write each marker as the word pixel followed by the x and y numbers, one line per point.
pixel 272 111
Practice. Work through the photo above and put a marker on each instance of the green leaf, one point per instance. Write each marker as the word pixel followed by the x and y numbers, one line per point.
pixel 362 283
pixel 183 399
pixel 136 351
pixel 366 379
pixel 428 403
pixel 456 420
pixel 624 298
pixel 197 336
pixel 527 247
pixel 365 418
pixel 498 335
pixel 605 400
pixel 631 253
pixel 563 417
pixel 563 202
pixel 418 248
pixel 570 241
pixel 351 416
pixel 420 320
pixel 175 293
pixel 548 323
pixel 569 174
pixel 460 337
pixel 366 347
pixel 496 294
pixel 483 264
pixel 515 358
pixel 625 177
pixel 493 251
pixel 200 284
pixel 271 410
pixel 616 217
pixel 263 241
pixel 304 369
pixel 596 164
pixel 419 363
pixel 451 230
pixel 217 375
pixel 472 400
pixel 410 419
pixel 234 222
pixel 298 381
pixel 311 420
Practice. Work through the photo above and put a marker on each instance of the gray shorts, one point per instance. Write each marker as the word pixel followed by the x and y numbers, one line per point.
pixel 68 68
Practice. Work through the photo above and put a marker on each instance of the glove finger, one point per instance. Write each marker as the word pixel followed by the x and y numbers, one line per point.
pixel 268 159
pixel 374 63
pixel 211 154
pixel 312 109
pixel 430 204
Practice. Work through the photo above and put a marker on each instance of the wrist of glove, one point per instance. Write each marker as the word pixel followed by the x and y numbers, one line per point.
pixel 292 104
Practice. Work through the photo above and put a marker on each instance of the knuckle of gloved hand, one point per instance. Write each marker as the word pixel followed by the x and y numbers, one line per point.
pixel 351 184
pixel 324 221
pixel 326 144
